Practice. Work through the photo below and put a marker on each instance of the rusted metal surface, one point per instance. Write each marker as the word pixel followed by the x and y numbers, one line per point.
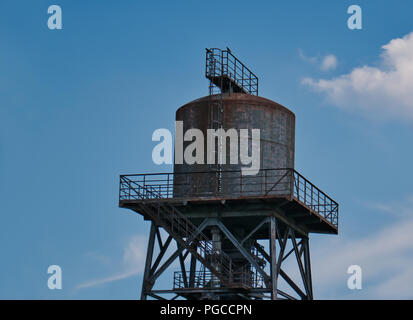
pixel 240 111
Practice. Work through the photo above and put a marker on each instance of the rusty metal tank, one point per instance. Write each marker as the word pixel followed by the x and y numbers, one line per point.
pixel 236 111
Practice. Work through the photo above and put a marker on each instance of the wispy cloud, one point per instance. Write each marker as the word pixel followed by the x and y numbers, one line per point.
pixel 101 281
pixel 132 263
pixel 386 258
pixel 401 209
pixel 98 257
pixel 325 63
pixel 306 58
pixel 329 62
pixel 386 90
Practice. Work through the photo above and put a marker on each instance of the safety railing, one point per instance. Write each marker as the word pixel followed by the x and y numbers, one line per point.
pixel 229 185
pixel 307 193
pixel 205 279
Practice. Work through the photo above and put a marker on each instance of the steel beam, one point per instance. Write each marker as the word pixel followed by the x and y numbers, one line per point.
pixel 163 248
pixel 300 264
pixel 307 264
pixel 254 230
pixel 273 252
pixel 148 263
pixel 151 273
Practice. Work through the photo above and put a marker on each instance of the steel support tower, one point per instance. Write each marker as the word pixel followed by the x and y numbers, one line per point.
pixel 212 268
pixel 238 245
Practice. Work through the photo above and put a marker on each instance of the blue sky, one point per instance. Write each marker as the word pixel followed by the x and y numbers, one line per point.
pixel 78 107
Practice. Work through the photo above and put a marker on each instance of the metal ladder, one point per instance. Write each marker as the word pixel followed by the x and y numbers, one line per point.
pixel 215 117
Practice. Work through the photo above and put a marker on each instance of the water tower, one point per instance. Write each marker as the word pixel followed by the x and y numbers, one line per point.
pixel 231 235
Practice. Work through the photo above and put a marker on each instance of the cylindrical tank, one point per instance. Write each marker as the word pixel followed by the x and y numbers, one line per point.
pixel 237 111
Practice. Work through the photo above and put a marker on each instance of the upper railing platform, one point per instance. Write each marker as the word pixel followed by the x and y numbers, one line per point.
pixel 267 184
pixel 225 71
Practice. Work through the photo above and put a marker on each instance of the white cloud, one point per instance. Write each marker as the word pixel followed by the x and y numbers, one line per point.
pixel 385 257
pixel 133 263
pixel 100 281
pixel 135 253
pixel 329 62
pixel 386 90
pixel 326 63
pixel 401 209
pixel 305 58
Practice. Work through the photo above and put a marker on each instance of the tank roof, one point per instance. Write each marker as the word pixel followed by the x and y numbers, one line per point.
pixel 242 97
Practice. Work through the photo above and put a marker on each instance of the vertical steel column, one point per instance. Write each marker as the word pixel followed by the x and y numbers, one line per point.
pixel 182 264
pixel 192 270
pixel 149 254
pixel 273 256
pixel 216 245
pixel 307 265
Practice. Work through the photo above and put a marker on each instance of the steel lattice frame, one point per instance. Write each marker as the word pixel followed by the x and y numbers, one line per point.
pixel 278 233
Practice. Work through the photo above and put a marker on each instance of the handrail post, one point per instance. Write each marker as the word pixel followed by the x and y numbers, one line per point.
pixel 240 182
pixel 265 180
pixel 167 187
pixel 305 191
